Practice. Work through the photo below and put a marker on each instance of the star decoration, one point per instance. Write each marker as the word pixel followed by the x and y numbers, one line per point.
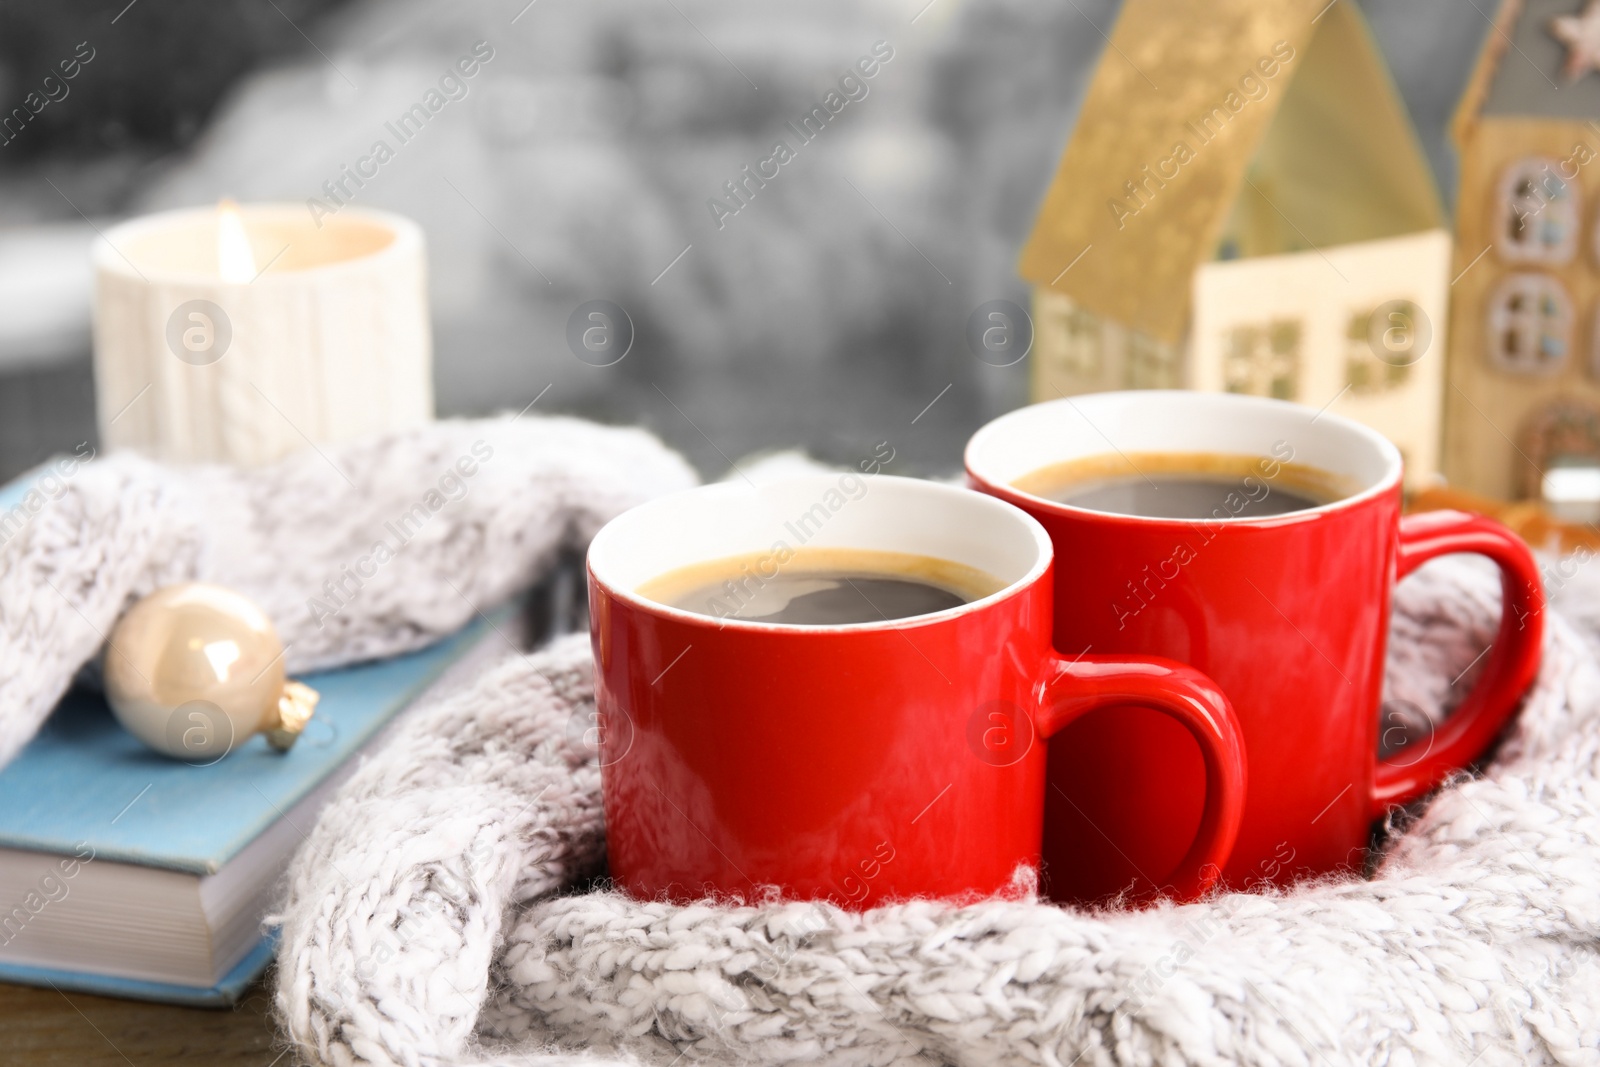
pixel 1581 34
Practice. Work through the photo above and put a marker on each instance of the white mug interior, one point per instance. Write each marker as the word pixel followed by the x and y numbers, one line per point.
pixel 1177 421
pixel 833 510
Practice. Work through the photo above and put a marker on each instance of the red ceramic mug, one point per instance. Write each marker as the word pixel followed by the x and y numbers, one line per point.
pixel 865 762
pixel 1289 614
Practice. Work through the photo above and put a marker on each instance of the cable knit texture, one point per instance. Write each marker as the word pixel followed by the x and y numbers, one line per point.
pixel 443 913
pixel 466 513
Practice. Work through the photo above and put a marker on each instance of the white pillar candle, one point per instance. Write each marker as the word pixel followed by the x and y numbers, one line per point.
pixel 239 337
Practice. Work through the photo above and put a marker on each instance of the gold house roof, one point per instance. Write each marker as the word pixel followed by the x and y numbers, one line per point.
pixel 1318 152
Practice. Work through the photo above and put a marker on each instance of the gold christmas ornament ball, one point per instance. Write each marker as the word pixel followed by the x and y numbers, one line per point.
pixel 194 670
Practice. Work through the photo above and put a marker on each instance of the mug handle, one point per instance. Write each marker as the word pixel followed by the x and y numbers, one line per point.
pixel 1513 661
pixel 1076 687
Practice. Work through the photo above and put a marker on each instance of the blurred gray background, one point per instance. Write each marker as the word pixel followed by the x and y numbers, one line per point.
pixel 827 315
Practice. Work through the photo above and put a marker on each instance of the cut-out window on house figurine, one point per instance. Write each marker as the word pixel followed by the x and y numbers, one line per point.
pixel 1077 338
pixel 1530 324
pixel 1152 365
pixel 1264 359
pixel 1365 371
pixel 1537 213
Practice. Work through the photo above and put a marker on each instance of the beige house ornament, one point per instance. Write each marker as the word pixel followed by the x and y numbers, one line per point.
pixel 1522 402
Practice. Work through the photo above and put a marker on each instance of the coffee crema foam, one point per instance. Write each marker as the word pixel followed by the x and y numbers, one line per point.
pixel 817 586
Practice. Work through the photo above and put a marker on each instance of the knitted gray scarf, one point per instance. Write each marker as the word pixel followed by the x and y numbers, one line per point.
pixel 436 916
pixel 442 910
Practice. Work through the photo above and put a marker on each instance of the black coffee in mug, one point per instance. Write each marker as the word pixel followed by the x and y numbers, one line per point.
pixel 821 586
pixel 1185 485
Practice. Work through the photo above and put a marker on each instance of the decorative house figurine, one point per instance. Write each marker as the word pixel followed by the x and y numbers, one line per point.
pixel 1244 206
pixel 1523 400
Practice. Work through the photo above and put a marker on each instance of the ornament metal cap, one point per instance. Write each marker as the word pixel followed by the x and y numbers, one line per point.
pixel 296 705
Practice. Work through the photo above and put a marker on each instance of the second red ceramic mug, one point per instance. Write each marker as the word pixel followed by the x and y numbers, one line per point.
pixel 1288 613
pixel 864 762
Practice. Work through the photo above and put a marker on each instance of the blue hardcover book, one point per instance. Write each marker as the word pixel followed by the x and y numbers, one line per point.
pixel 125 873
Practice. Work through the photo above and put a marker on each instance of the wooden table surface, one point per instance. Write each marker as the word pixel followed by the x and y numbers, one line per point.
pixel 46 1028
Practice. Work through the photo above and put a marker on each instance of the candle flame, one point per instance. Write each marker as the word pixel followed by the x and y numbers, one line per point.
pixel 235 262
